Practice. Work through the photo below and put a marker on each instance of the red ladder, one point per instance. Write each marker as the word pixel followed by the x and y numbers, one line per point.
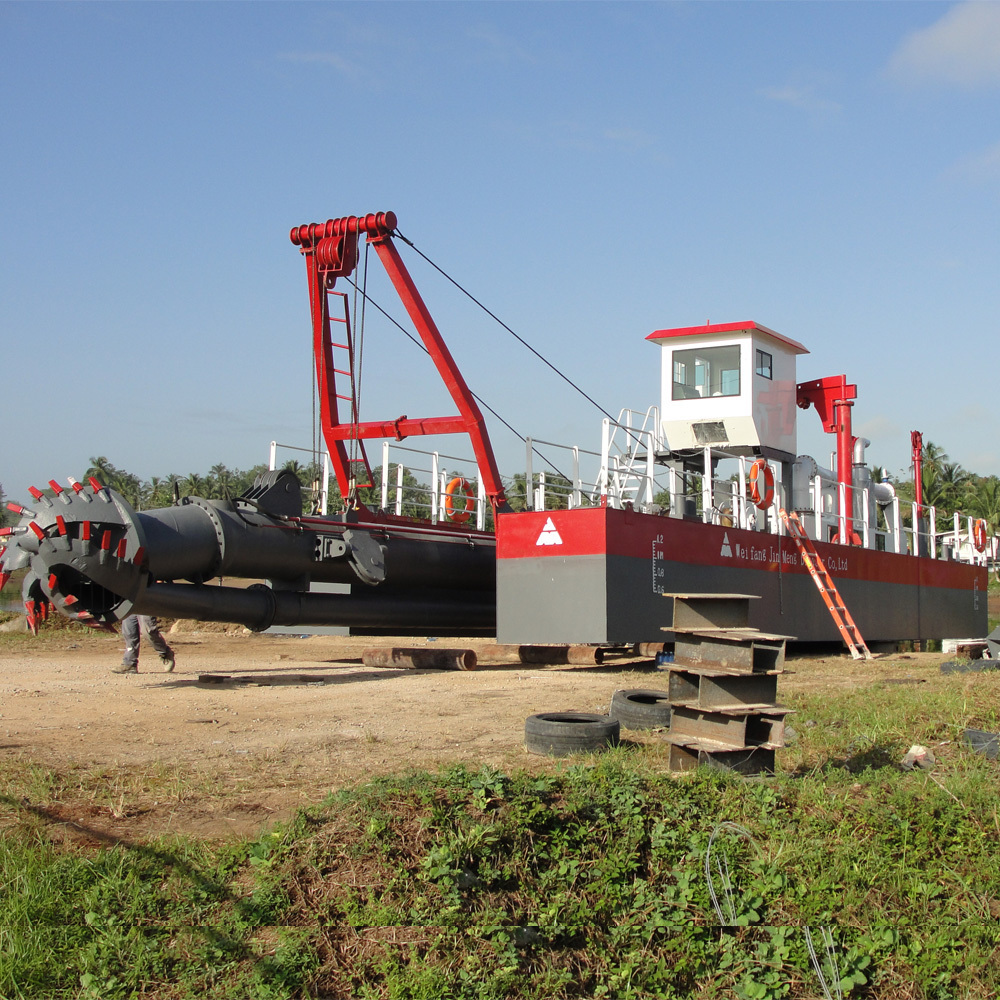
pixel 340 353
pixel 827 588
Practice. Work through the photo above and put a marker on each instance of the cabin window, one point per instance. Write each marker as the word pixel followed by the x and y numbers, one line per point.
pixel 763 364
pixel 706 371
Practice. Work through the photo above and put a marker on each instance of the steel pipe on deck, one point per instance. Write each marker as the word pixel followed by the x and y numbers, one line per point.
pixel 258 607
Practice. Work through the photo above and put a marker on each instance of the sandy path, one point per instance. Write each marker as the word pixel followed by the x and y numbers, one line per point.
pixel 178 754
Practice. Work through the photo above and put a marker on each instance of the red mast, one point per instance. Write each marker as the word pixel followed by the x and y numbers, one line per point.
pixel 917 444
pixel 331 252
pixel 833 398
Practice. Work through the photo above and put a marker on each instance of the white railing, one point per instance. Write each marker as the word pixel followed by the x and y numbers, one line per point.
pixel 543 494
pixel 626 473
pixel 726 500
pixel 431 497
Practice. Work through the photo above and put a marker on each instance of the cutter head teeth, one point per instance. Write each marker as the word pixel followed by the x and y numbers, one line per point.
pixel 56 488
pixel 38 531
pixel 36 492
pixel 95 484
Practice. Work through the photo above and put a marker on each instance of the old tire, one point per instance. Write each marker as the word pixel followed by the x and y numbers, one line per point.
pixel 641 709
pixel 562 733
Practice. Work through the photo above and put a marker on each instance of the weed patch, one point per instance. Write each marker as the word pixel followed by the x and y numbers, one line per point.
pixel 608 879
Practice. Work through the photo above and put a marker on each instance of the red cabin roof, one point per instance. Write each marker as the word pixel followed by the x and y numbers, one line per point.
pixel 693 331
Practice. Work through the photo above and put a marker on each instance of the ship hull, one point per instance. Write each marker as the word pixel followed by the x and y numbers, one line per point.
pixel 599 575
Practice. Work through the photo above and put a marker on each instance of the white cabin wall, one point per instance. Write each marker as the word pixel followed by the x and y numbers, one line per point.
pixel 774 407
pixel 677 415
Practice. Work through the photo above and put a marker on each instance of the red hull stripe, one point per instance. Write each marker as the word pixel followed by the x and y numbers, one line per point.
pixel 608 532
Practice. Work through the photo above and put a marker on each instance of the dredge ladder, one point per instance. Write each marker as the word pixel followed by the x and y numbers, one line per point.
pixel 849 632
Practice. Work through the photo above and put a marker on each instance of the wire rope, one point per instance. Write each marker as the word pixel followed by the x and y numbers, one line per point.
pixel 831 957
pixel 476 397
pixel 351 361
pixel 494 316
pixel 315 419
pixel 361 335
pixel 722 868
pixel 629 433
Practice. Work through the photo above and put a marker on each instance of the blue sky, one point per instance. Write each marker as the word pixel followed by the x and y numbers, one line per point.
pixel 592 172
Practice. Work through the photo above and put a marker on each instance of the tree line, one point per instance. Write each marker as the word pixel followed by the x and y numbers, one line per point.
pixel 949 488
pixel 946 485
pixel 223 483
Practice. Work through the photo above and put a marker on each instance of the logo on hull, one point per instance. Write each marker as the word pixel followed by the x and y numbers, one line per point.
pixel 549 535
pixel 726 550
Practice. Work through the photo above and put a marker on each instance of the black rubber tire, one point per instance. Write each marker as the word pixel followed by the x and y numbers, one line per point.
pixel 641 709
pixel 559 734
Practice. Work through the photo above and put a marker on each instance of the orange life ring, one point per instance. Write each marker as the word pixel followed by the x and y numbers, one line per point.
pixel 761 498
pixel 459 514
pixel 853 535
pixel 979 535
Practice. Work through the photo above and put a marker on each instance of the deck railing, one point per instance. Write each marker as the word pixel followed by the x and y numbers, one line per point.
pixel 628 472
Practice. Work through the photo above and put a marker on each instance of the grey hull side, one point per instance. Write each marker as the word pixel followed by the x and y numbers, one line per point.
pixel 609 599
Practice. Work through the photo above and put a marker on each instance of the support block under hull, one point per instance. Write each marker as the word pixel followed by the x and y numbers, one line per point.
pixel 597 575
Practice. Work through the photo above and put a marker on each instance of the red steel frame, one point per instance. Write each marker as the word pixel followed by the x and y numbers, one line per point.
pixel 833 398
pixel 331 251
pixel 917 445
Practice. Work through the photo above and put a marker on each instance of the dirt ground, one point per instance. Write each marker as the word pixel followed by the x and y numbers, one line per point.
pixel 189 753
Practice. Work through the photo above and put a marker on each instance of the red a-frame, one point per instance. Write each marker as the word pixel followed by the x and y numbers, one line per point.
pixel 331 251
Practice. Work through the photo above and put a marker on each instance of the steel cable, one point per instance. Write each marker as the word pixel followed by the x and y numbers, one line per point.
pixel 477 398
pixel 494 316
pixel 831 958
pixel 722 867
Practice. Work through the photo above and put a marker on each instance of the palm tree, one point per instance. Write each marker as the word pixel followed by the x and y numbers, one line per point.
pixel 221 479
pixel 983 499
pixel 158 492
pixel 955 483
pixel 172 487
pixel 102 470
pixel 193 485
pixel 943 482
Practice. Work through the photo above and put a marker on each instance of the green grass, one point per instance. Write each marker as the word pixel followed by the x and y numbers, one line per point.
pixel 586 879
pixel 589 882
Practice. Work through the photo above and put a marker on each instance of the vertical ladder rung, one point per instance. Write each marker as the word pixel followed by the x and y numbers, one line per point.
pixel 339 376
